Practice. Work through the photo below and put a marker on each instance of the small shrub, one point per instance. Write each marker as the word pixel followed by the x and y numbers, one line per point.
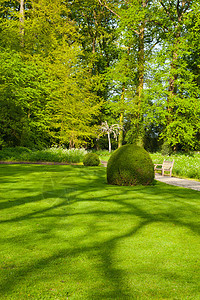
pixel 130 165
pixel 91 159
pixel 166 149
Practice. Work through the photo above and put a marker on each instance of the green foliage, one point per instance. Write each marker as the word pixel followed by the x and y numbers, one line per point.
pixel 177 115
pixel 75 64
pixel 96 27
pixel 54 154
pixel 23 86
pixel 91 159
pixel 59 154
pixel 173 76
pixel 10 154
pixel 46 94
pixel 166 149
pixel 72 106
pixel 47 27
pixel 130 165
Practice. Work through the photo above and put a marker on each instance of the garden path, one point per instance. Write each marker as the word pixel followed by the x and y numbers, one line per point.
pixel 186 183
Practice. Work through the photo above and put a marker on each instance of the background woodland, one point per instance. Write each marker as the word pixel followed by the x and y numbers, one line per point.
pixel 68 66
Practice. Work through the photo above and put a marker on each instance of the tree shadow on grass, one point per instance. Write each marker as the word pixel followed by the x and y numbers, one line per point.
pixel 85 209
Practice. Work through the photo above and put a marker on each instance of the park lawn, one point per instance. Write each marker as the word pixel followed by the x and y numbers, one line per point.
pixel 66 234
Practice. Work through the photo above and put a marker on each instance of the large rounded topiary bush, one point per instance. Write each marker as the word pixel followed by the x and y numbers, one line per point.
pixel 91 159
pixel 130 165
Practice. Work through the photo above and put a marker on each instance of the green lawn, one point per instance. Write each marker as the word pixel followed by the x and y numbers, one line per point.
pixel 66 234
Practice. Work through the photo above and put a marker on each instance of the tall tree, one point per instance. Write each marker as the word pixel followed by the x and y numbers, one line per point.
pixel 133 16
pixel 178 94
pixel 47 40
pixel 24 89
pixel 73 106
pixel 98 36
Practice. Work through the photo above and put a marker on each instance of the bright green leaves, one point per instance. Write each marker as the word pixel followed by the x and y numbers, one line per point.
pixel 46 92
pixel 72 105
pixel 172 82
pixel 23 92
pixel 66 66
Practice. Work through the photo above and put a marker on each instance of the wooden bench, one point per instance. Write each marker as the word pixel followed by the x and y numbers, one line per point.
pixel 166 166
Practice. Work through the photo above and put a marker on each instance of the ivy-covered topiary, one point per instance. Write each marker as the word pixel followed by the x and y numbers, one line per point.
pixel 130 165
pixel 91 159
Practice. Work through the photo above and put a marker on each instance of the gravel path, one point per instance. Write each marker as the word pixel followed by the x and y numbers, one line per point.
pixel 186 183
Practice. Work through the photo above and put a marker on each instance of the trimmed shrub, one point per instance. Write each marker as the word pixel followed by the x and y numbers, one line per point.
pixel 130 165
pixel 91 159
pixel 166 149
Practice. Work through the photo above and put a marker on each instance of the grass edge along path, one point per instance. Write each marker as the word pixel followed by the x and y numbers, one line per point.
pixel 66 234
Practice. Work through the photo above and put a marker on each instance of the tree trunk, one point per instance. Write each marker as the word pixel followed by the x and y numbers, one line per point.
pixel 121 122
pixel 173 79
pixel 121 118
pixel 109 142
pixel 140 65
pixel 21 20
pixel 140 86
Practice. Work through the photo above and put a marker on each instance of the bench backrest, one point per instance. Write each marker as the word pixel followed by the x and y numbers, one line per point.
pixel 167 164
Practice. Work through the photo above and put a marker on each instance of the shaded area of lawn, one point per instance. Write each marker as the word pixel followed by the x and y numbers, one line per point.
pixel 65 233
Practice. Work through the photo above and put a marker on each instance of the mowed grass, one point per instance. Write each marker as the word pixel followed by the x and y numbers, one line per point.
pixel 66 234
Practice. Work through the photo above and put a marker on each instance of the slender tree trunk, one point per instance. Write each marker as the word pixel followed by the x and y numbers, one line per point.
pixel 140 66
pixel 21 20
pixel 173 79
pixel 94 45
pixel 140 86
pixel 121 122
pixel 71 143
pixel 121 118
pixel 109 142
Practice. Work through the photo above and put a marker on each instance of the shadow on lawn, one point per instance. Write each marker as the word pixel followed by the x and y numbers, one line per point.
pixel 78 201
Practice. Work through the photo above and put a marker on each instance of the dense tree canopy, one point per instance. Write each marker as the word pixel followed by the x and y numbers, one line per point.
pixel 68 66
